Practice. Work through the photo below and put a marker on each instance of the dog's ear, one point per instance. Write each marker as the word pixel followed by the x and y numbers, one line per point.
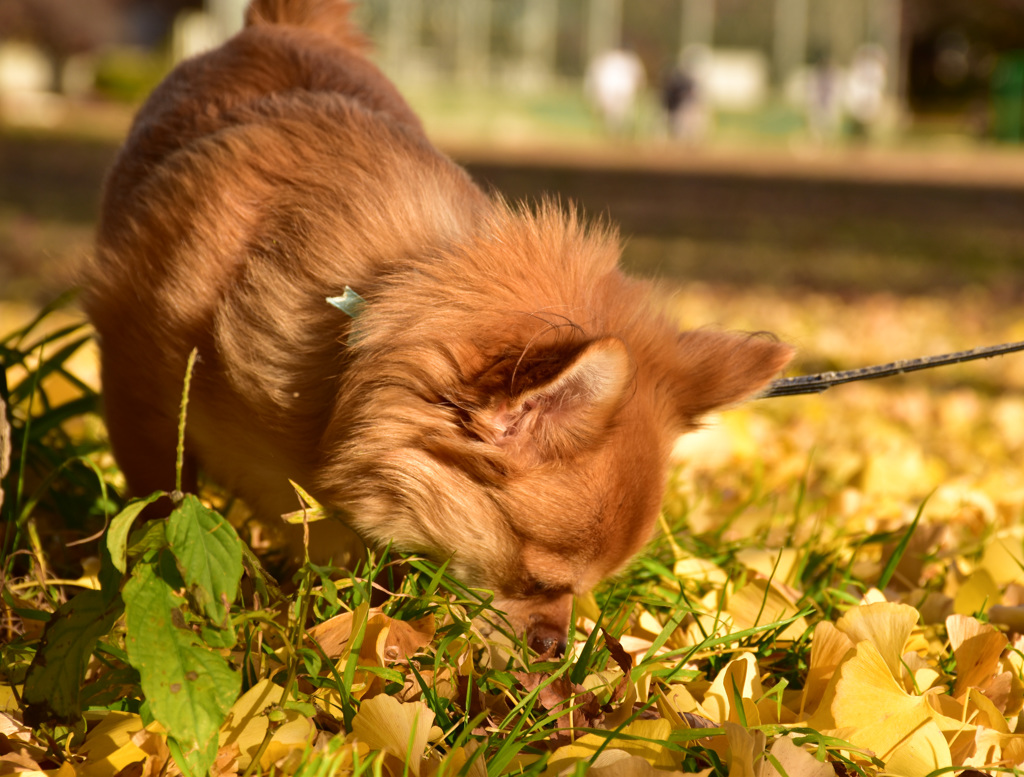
pixel 569 409
pixel 717 369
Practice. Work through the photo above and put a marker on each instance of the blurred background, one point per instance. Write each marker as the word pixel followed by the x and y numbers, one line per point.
pixel 846 173
pixel 847 145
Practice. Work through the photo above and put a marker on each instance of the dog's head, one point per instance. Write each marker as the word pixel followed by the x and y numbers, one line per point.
pixel 585 448
pixel 525 450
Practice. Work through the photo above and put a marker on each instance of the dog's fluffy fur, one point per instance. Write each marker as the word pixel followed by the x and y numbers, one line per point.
pixel 507 399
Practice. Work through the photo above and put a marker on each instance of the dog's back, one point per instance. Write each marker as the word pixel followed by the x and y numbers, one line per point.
pixel 287 46
pixel 256 180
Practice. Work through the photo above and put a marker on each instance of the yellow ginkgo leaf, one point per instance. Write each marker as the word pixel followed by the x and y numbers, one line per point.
pixel 642 739
pixel 828 648
pixel 874 712
pixel 1003 557
pixel 885 625
pixel 587 607
pixel 14 729
pixel 983 713
pixel 977 648
pixel 705 621
pixel 773 564
pixel 1013 617
pixel 676 700
pixel 248 722
pixel 738 682
pixel 797 762
pixel 111 746
pixel 873 596
pixel 994 748
pixel 919 754
pixel 978 592
pixel 648 623
pixel 762 602
pixel 333 634
pixel 9 699
pixel 66 769
pixel 957 721
pixel 396 640
pixel 746 751
pixel 455 762
pixel 700 570
pixel 399 729
pixel 114 730
pixel 619 763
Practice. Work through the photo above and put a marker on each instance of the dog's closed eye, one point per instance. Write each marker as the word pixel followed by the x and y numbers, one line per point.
pixel 548 588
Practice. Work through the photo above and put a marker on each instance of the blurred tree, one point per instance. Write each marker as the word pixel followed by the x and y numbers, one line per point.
pixel 61 28
pixel 65 28
pixel 954 50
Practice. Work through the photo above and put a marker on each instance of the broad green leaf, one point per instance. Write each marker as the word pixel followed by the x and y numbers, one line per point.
pixel 195 762
pixel 209 555
pixel 150 537
pixel 120 526
pixel 189 687
pixel 54 682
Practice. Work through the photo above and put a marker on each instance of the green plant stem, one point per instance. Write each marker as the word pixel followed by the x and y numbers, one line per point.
pixel 293 670
pixel 180 461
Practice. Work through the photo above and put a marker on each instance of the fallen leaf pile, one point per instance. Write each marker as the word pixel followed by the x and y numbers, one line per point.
pixel 837 588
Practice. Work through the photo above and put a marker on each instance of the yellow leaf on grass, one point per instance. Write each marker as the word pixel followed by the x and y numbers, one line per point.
pixel 109 748
pixel 887 626
pixel 455 762
pixel 773 564
pixel 872 596
pixel 389 639
pixel 984 713
pixel 9 699
pixel 333 634
pixel 700 570
pixel 619 763
pixel 920 754
pixel 400 730
pixel 746 751
pixel 871 710
pixel 923 674
pixel 828 647
pixel 977 648
pixel 14 729
pixel 676 700
pixel 1003 557
pixel 994 748
pixel 797 762
pixel 650 734
pixel 762 602
pixel 1013 617
pixel 248 722
pixel 734 691
pixel 65 770
pixel 978 592
pixel 956 720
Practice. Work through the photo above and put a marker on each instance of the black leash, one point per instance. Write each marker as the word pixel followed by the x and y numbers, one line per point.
pixel 815 384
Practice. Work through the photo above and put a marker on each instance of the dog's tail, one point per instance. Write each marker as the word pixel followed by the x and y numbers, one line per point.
pixel 328 17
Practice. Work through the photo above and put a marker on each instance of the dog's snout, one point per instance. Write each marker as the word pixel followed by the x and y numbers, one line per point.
pixel 546 640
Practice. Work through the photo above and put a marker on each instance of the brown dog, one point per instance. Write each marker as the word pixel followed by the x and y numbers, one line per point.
pixel 506 398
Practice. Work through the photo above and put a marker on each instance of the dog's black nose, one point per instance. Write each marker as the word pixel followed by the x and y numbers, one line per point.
pixel 546 641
